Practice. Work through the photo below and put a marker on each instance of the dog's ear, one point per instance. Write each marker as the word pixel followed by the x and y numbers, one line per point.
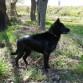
pixel 58 20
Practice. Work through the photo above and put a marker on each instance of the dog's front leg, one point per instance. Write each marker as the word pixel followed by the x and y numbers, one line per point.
pixel 46 60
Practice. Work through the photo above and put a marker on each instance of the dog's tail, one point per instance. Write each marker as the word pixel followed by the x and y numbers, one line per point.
pixel 14 53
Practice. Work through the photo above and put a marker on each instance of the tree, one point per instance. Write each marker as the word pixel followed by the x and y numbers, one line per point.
pixel 33 10
pixel 13 11
pixel 41 7
pixel 3 16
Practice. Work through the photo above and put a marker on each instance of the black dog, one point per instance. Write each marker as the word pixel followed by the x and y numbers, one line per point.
pixel 44 43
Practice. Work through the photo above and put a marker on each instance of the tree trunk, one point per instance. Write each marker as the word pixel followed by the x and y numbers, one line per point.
pixel 33 10
pixel 41 7
pixel 3 16
pixel 13 11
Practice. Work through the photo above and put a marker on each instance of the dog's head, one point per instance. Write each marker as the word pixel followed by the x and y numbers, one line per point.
pixel 58 28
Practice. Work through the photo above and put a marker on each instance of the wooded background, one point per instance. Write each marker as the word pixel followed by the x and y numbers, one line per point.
pixel 41 9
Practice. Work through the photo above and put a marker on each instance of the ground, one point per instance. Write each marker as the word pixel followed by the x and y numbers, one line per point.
pixel 65 62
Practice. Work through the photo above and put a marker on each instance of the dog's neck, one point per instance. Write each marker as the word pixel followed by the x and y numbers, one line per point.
pixel 54 34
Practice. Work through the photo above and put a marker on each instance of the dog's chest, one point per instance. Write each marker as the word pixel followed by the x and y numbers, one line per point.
pixel 50 46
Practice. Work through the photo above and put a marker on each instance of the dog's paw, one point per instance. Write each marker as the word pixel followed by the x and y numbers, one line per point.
pixel 17 66
pixel 46 68
pixel 26 68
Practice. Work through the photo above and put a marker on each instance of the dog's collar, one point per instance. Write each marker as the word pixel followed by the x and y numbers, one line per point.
pixel 53 34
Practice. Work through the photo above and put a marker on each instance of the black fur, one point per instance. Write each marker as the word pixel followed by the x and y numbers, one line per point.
pixel 44 43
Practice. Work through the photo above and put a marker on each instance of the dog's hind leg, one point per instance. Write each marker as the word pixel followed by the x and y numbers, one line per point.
pixel 25 56
pixel 18 57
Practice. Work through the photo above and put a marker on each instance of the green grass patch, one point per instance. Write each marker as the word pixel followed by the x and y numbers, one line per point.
pixel 65 11
pixel 79 69
pixel 34 74
pixel 31 22
pixel 4 69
